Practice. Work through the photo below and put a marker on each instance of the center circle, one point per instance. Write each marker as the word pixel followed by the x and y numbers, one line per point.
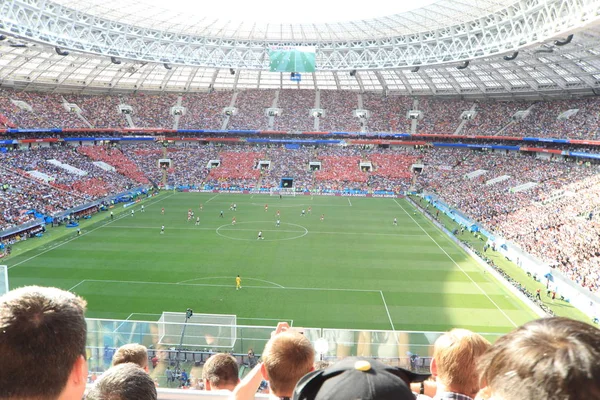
pixel 267 227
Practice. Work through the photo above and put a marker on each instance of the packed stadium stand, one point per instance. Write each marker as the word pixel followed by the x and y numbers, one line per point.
pixel 448 108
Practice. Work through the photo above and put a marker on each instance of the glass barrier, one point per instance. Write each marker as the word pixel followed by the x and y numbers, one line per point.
pixel 181 345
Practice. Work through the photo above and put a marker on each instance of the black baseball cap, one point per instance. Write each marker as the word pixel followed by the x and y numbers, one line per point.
pixel 358 378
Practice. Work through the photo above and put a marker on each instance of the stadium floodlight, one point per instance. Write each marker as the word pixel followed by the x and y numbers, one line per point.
pixel 464 66
pixel 61 52
pixel 2 37
pixel 415 69
pixel 232 71
pixel 564 42
pixel 114 60
pixel 512 57
pixel 167 66
pixel 353 72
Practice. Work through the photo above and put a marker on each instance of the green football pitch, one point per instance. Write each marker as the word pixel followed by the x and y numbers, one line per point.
pixel 354 269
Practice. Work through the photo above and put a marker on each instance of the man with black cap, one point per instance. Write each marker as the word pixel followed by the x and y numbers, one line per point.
pixel 358 378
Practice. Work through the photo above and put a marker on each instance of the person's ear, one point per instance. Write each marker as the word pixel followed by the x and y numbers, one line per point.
pixel 263 372
pixel 484 393
pixel 433 367
pixel 207 385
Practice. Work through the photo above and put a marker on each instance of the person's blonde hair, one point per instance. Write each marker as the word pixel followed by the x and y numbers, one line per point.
pixel 456 353
pixel 131 353
pixel 287 357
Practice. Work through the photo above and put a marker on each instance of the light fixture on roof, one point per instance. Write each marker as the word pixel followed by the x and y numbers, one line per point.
pixel 232 71
pixel 353 72
pixel 543 50
pixel 61 52
pixel 464 66
pixel 415 69
pixel 510 58
pixel 2 37
pixel 564 42
pixel 114 60
pixel 167 66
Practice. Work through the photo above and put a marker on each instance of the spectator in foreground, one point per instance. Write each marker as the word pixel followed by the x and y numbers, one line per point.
pixel 123 382
pixel 131 353
pixel 42 343
pixel 454 364
pixel 220 373
pixel 549 358
pixel 287 357
pixel 358 378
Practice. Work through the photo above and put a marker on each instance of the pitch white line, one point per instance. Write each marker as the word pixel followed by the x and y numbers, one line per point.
pixel 123 215
pixel 349 202
pixel 275 230
pixel 266 319
pixel 387 311
pixel 230 286
pixel 458 266
pixel 229 277
pixel 76 285
pixel 213 197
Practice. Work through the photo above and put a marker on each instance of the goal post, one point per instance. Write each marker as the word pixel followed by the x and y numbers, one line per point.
pixel 289 192
pixel 201 330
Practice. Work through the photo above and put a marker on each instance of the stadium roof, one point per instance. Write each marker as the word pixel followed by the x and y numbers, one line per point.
pixel 448 47
pixel 338 19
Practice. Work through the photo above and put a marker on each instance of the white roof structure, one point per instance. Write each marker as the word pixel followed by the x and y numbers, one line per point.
pixel 447 48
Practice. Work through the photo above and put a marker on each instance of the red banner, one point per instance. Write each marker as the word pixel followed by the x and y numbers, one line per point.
pixel 540 150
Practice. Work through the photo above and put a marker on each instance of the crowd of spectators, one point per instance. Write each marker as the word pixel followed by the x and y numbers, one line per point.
pixel 21 197
pixel 291 163
pixel 339 106
pixel 236 168
pixel 101 111
pixel 48 110
pixel 296 106
pixel 387 113
pixel 491 117
pixel 543 120
pixel 151 111
pixel 562 231
pixel 251 105
pixel 559 230
pixel 441 116
pixel 115 158
pixel 90 181
pixel 340 172
pixel 204 110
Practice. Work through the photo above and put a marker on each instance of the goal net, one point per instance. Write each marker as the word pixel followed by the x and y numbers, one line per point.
pixel 205 330
pixel 283 192
pixel 3 279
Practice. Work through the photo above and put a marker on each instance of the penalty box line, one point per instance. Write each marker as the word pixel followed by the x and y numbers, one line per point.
pixel 248 286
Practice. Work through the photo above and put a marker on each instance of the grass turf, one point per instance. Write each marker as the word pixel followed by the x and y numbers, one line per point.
pixel 354 269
